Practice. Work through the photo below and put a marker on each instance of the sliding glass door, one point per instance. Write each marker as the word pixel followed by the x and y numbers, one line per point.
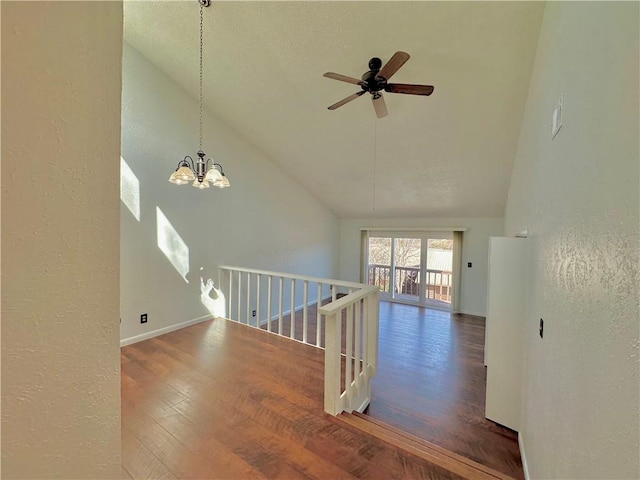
pixel 412 268
pixel 407 265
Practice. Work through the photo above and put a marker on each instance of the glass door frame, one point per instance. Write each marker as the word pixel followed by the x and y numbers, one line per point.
pixel 424 237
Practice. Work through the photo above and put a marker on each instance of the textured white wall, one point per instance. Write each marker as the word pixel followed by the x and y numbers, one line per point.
pixel 61 64
pixel 475 249
pixel 579 197
pixel 265 220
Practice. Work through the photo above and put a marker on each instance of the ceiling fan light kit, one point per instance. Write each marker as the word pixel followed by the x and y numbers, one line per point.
pixel 203 173
pixel 375 81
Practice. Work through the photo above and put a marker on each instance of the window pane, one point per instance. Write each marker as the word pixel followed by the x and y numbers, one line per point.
pixel 379 251
pixel 407 263
pixel 380 262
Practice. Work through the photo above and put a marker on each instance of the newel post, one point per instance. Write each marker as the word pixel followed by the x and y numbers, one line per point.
pixel 332 401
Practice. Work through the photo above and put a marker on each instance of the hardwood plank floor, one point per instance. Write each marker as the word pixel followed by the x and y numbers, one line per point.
pixel 431 383
pixel 221 400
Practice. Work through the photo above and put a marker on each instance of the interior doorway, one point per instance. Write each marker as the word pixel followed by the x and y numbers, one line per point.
pixel 415 268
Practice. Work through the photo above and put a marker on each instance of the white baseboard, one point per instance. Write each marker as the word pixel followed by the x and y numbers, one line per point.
pixel 475 314
pixel 525 467
pixel 276 316
pixel 161 331
pixel 287 312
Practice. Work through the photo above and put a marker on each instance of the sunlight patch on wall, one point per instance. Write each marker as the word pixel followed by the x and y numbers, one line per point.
pixel 129 189
pixel 212 298
pixel 171 244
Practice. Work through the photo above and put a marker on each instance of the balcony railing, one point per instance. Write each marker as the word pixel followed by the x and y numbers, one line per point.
pixel 407 281
pixel 345 324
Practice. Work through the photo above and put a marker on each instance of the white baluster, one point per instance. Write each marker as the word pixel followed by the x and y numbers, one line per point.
pixel 269 304
pixel 348 356
pixel 305 311
pixel 248 298
pixel 280 307
pixel 318 315
pixel 357 340
pixel 230 291
pixel 258 301
pixel 239 297
pixel 292 330
pixel 365 336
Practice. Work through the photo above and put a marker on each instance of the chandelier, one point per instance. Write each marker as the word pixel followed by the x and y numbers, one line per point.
pixel 201 172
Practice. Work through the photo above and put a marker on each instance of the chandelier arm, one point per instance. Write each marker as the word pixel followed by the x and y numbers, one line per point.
pixel 187 161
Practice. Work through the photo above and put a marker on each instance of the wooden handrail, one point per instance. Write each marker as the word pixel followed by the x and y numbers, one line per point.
pixel 326 281
pixel 339 304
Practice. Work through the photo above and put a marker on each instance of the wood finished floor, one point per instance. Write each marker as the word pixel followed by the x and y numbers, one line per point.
pixel 221 400
pixel 167 380
pixel 431 383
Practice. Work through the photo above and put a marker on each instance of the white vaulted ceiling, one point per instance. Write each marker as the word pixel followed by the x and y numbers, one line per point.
pixel 449 154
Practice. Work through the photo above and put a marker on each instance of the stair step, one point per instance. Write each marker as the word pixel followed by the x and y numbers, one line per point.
pixel 433 446
pixel 428 451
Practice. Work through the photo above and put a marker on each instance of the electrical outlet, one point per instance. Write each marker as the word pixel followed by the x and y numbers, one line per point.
pixel 541 328
pixel 253 313
pixel 143 318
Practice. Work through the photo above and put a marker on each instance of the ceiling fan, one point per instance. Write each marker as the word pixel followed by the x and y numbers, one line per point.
pixel 375 82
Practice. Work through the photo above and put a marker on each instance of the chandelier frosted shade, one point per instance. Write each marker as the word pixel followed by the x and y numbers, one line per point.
pixel 182 175
pixel 178 181
pixel 213 176
pixel 223 182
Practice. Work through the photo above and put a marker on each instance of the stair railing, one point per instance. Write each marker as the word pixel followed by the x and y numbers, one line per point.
pixel 340 317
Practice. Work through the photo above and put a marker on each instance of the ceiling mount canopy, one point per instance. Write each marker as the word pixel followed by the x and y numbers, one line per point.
pixel 203 173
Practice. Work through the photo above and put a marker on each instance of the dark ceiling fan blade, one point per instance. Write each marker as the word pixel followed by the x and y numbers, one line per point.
pixel 346 100
pixel 342 78
pixel 409 89
pixel 379 106
pixel 392 66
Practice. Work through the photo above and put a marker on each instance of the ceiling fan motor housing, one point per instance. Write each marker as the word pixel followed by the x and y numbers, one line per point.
pixel 371 82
